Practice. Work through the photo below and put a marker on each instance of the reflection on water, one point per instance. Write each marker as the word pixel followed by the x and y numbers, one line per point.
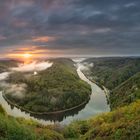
pixel 60 117
pixel 13 111
pixel 97 104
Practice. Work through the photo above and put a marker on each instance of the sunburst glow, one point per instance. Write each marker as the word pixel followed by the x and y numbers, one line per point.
pixel 27 55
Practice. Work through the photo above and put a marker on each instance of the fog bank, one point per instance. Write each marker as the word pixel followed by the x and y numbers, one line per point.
pixel 34 66
pixel 3 75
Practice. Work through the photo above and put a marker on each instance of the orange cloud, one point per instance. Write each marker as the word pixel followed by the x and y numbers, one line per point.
pixel 43 39
pixel 28 53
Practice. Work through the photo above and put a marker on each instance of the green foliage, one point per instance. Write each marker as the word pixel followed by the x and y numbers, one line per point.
pixel 50 135
pixel 127 92
pixel 2 111
pixel 70 132
pixel 111 72
pixel 56 88
pixel 121 124
pixel 120 75
pixel 118 134
pixel 11 130
pixel 75 129
pixel 21 129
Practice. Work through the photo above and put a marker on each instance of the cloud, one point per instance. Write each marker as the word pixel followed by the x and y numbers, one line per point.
pixel 130 5
pixel 34 66
pixel 16 90
pixel 71 25
pixel 3 75
pixel 43 39
pixel 25 48
pixel 102 30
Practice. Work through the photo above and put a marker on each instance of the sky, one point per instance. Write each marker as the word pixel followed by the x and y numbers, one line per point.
pixel 69 27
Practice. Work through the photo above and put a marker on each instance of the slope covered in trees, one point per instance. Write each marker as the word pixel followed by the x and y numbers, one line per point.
pixel 56 88
pixel 127 92
pixel 21 129
pixel 111 72
pixel 121 124
pixel 120 75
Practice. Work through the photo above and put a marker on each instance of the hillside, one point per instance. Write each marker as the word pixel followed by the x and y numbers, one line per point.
pixel 120 75
pixel 111 72
pixel 56 88
pixel 121 124
pixel 21 129
pixel 127 92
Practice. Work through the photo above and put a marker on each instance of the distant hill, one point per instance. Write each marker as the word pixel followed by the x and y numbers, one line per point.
pixel 6 64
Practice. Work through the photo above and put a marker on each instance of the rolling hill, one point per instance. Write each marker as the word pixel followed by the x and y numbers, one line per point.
pixel 54 89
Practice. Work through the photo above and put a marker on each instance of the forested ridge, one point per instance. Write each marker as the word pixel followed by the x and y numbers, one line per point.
pixel 5 64
pixel 120 75
pixel 56 88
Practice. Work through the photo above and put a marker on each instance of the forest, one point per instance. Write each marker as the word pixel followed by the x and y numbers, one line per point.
pixel 56 88
pixel 120 75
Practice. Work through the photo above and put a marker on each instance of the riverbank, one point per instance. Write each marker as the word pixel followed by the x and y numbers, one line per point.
pixel 106 91
pixel 44 113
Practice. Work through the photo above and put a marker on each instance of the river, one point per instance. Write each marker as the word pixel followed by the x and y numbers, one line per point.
pixel 96 105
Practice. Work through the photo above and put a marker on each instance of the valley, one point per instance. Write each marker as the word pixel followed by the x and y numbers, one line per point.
pixel 95 105
pixel 119 75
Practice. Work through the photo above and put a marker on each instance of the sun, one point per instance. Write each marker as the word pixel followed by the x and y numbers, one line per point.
pixel 27 55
